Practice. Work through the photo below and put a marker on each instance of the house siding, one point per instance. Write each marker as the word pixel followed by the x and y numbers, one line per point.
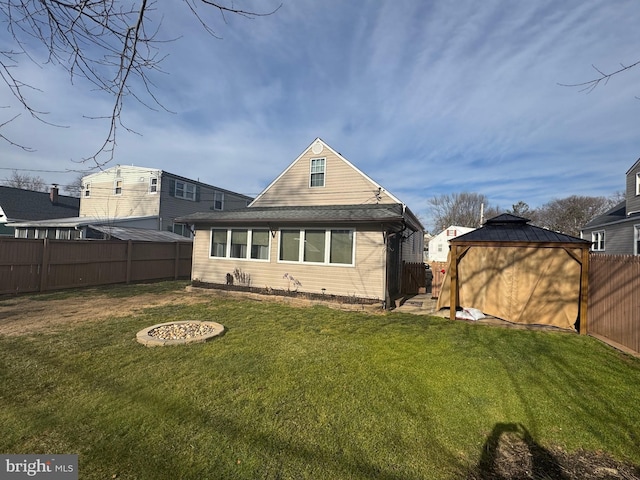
pixel 344 185
pixel 633 200
pixel 172 207
pixel 366 279
pixel 134 201
pixel 618 238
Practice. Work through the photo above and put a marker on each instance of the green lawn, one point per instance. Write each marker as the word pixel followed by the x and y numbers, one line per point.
pixel 308 393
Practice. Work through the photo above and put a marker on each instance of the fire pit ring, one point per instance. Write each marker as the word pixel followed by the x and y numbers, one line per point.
pixel 179 333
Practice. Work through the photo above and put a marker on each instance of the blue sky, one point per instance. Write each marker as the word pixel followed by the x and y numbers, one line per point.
pixel 426 97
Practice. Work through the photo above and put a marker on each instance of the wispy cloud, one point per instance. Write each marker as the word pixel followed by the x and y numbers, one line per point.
pixel 425 97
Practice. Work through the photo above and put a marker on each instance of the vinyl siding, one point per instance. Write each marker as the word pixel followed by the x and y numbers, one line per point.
pixel 343 185
pixel 134 201
pixel 366 279
pixel 618 238
pixel 413 248
pixel 633 200
pixel 172 207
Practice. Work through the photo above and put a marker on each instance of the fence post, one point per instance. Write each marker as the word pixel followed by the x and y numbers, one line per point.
pixel 176 264
pixel 584 292
pixel 44 267
pixel 129 255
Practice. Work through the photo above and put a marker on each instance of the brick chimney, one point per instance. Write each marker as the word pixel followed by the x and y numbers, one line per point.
pixel 53 194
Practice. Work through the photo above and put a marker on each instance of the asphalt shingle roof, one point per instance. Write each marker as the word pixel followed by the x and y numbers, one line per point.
pixel 511 228
pixel 19 204
pixel 617 213
pixel 298 214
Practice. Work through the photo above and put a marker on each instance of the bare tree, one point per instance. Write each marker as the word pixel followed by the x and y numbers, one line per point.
pixel 74 189
pixel 26 182
pixel 114 44
pixel 522 209
pixel 568 215
pixel 462 209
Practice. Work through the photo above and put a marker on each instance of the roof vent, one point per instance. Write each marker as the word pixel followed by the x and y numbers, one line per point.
pixel 317 148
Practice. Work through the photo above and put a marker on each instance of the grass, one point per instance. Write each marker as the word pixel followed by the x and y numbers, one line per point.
pixel 308 393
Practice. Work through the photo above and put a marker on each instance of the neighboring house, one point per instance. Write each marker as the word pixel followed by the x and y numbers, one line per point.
pixel 321 227
pixel 617 232
pixel 18 205
pixel 92 228
pixel 131 191
pixel 439 245
pixel 426 239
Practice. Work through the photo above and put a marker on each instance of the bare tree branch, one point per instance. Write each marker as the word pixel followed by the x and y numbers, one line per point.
pixel 602 77
pixel 111 43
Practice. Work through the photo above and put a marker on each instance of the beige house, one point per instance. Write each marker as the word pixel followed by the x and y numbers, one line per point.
pixel 321 227
pixel 151 195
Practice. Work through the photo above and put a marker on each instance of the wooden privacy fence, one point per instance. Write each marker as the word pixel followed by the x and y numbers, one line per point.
pixel 413 277
pixel 438 269
pixel 39 265
pixel 614 299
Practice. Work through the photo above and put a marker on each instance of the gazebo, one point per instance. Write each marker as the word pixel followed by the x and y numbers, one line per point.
pixel 519 273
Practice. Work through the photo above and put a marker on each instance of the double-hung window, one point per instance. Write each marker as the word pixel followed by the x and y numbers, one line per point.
pixel 328 247
pixel 597 241
pixel 636 239
pixel 153 185
pixel 317 172
pixel 117 188
pixel 87 189
pixel 185 190
pixel 241 243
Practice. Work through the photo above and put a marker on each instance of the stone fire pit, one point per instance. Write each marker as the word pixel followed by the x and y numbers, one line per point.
pixel 179 333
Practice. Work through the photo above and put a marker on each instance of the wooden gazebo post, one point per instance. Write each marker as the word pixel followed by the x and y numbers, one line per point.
pixel 453 282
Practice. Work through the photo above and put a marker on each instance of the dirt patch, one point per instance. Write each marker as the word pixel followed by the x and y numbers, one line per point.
pixel 32 314
pixel 26 315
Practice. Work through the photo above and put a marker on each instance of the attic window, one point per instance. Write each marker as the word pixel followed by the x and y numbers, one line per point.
pixel 317 172
pixel 118 187
pixel 87 189
pixel 153 185
pixel 218 200
pixel 637 183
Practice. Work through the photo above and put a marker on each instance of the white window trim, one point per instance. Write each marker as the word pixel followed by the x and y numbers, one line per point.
pixel 115 186
pixel 595 241
pixel 636 239
pixel 324 173
pixel 327 250
pixel 638 183
pixel 87 190
pixel 184 195
pixel 151 185
pixel 249 241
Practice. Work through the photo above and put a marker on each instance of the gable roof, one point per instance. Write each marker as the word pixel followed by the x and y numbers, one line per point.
pixel 511 228
pixel 319 141
pixel 19 204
